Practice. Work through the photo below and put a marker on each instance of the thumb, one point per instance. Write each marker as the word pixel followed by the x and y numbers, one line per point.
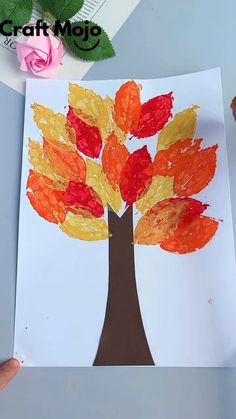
pixel 8 371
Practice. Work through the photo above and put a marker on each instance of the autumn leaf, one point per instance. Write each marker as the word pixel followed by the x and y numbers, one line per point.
pixel 46 201
pixel 114 157
pixel 135 178
pixel 80 196
pixel 182 126
pixel 92 108
pixel 191 178
pixel 88 137
pixel 192 167
pixel 162 220
pixel 166 161
pixel 127 106
pixel 53 125
pixel 191 236
pixel 97 180
pixel 160 189
pixel 89 229
pixel 41 164
pixel 114 199
pixel 154 115
pixel 63 188
pixel 120 134
pixel 66 163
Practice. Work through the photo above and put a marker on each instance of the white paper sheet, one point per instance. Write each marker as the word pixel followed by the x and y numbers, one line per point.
pixel 110 14
pixel 188 302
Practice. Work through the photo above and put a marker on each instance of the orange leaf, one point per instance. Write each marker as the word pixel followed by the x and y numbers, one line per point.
pixel 46 201
pixel 127 106
pixel 65 162
pixel 113 159
pixel 191 236
pixel 166 161
pixel 161 221
pixel 194 175
pixel 192 167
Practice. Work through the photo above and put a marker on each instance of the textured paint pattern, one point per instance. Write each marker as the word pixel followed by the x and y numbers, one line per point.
pixel 81 196
pixel 67 186
pixel 44 199
pixel 65 163
pixel 92 108
pixel 177 225
pixel 192 167
pixel 182 126
pixel 53 125
pixel 191 236
pixel 135 179
pixel 82 228
pixel 127 106
pixel 114 157
pixel 98 181
pixel 161 188
pixel 88 137
pixel 153 116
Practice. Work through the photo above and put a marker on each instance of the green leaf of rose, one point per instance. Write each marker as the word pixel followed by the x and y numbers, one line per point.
pixel 95 48
pixel 19 11
pixel 44 4
pixel 61 9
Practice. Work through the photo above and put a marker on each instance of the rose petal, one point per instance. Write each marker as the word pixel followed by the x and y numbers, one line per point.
pixel 39 54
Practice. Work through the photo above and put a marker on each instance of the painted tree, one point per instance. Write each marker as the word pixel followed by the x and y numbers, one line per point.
pixel 82 166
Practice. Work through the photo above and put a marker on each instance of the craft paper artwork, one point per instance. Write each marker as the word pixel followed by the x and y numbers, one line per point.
pixel 126 252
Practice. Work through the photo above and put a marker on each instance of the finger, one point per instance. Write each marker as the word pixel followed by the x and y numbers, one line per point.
pixel 8 371
pixel 233 106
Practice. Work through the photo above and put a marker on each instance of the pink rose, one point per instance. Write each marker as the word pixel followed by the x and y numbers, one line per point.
pixel 39 54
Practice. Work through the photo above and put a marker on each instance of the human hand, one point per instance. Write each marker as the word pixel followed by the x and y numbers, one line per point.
pixel 8 370
pixel 233 106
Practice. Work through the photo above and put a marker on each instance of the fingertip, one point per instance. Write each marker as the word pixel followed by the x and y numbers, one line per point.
pixel 12 363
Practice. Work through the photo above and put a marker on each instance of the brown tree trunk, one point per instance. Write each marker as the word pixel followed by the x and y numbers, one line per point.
pixel 123 340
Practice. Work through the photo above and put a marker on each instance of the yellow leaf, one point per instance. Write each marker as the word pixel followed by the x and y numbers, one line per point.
pixel 161 188
pixel 182 126
pixel 41 165
pixel 89 229
pixel 91 108
pixel 97 180
pixel 109 103
pixel 114 199
pixel 53 125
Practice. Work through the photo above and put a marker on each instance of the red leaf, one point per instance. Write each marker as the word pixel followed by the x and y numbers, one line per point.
pixel 154 115
pixel 135 179
pixel 88 137
pixel 80 196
